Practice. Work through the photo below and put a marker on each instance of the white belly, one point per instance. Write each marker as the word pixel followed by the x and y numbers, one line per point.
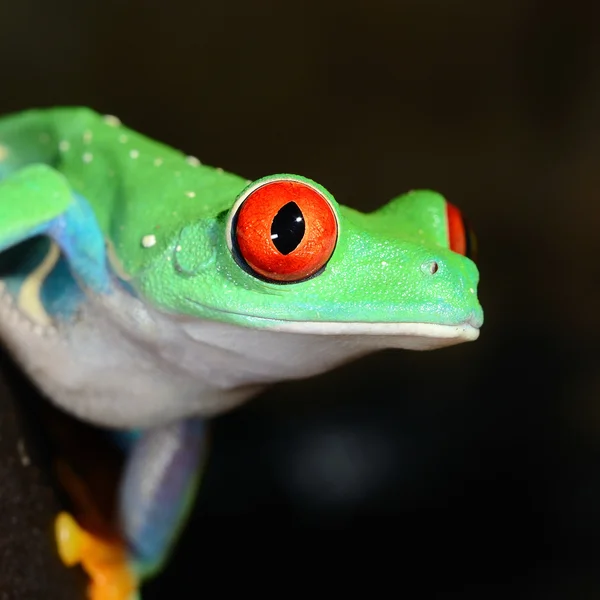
pixel 123 365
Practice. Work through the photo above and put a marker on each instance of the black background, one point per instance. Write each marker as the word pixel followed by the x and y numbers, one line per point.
pixel 473 471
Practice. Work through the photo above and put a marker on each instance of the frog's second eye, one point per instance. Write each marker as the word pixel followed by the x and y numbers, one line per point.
pixel 461 237
pixel 285 230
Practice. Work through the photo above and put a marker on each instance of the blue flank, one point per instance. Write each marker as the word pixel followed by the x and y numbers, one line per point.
pixel 83 260
pixel 82 242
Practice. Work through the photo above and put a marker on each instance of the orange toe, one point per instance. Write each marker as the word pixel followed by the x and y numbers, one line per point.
pixel 105 561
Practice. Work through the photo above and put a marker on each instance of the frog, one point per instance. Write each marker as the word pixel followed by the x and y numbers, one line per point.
pixel 145 293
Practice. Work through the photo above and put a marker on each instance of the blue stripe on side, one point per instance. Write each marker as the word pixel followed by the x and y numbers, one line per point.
pixel 79 236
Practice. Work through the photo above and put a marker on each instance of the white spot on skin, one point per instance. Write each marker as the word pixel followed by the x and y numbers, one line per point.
pixel 190 194
pixel 158 162
pixel 88 157
pixel 472 290
pixel 87 136
pixel 193 161
pixel 148 241
pixel 134 154
pixel 112 121
pixel 64 146
pixel 3 152
pixel 123 139
pixel 178 249
pixel 384 264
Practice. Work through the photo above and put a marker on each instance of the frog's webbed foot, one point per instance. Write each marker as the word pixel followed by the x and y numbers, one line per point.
pixel 105 560
pixel 90 538
pixel 156 491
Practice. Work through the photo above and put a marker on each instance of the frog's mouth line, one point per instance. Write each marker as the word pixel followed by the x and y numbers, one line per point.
pixel 465 331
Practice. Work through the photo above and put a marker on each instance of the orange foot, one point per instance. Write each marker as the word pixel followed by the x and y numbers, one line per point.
pixel 104 561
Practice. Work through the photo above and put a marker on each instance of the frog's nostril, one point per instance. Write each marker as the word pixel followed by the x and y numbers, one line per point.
pixel 430 267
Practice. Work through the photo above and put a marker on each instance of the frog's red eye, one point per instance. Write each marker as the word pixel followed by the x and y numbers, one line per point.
pixel 461 237
pixel 285 230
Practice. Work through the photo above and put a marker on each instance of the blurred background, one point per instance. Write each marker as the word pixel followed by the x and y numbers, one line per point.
pixel 472 472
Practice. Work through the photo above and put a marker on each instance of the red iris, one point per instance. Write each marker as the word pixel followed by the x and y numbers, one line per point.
pixel 285 230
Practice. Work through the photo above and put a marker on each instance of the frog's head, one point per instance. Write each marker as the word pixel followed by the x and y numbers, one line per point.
pixel 287 257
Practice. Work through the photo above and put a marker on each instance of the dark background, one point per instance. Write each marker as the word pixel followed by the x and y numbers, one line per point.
pixel 473 471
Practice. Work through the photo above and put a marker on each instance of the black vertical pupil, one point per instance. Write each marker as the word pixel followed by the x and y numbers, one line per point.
pixel 287 229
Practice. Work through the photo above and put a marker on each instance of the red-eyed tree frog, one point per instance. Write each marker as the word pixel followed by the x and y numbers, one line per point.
pixel 145 292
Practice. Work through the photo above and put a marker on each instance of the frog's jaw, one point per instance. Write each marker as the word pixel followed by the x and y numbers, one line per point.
pixel 406 336
pixel 373 335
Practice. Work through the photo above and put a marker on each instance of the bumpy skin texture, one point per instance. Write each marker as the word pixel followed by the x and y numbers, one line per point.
pixel 138 187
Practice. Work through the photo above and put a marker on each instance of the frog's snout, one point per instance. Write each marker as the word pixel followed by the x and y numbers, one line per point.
pixel 452 280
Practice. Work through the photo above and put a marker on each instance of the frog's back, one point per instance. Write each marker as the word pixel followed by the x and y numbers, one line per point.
pixel 54 135
pixel 135 186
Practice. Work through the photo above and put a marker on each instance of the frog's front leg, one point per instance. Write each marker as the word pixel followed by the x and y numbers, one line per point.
pixel 163 465
pixel 37 200
pixel 157 489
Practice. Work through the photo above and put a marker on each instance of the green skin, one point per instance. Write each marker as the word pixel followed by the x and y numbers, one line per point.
pixel 381 252
pixel 163 306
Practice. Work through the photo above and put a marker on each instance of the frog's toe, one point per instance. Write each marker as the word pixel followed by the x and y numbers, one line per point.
pixel 69 539
pixel 105 561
